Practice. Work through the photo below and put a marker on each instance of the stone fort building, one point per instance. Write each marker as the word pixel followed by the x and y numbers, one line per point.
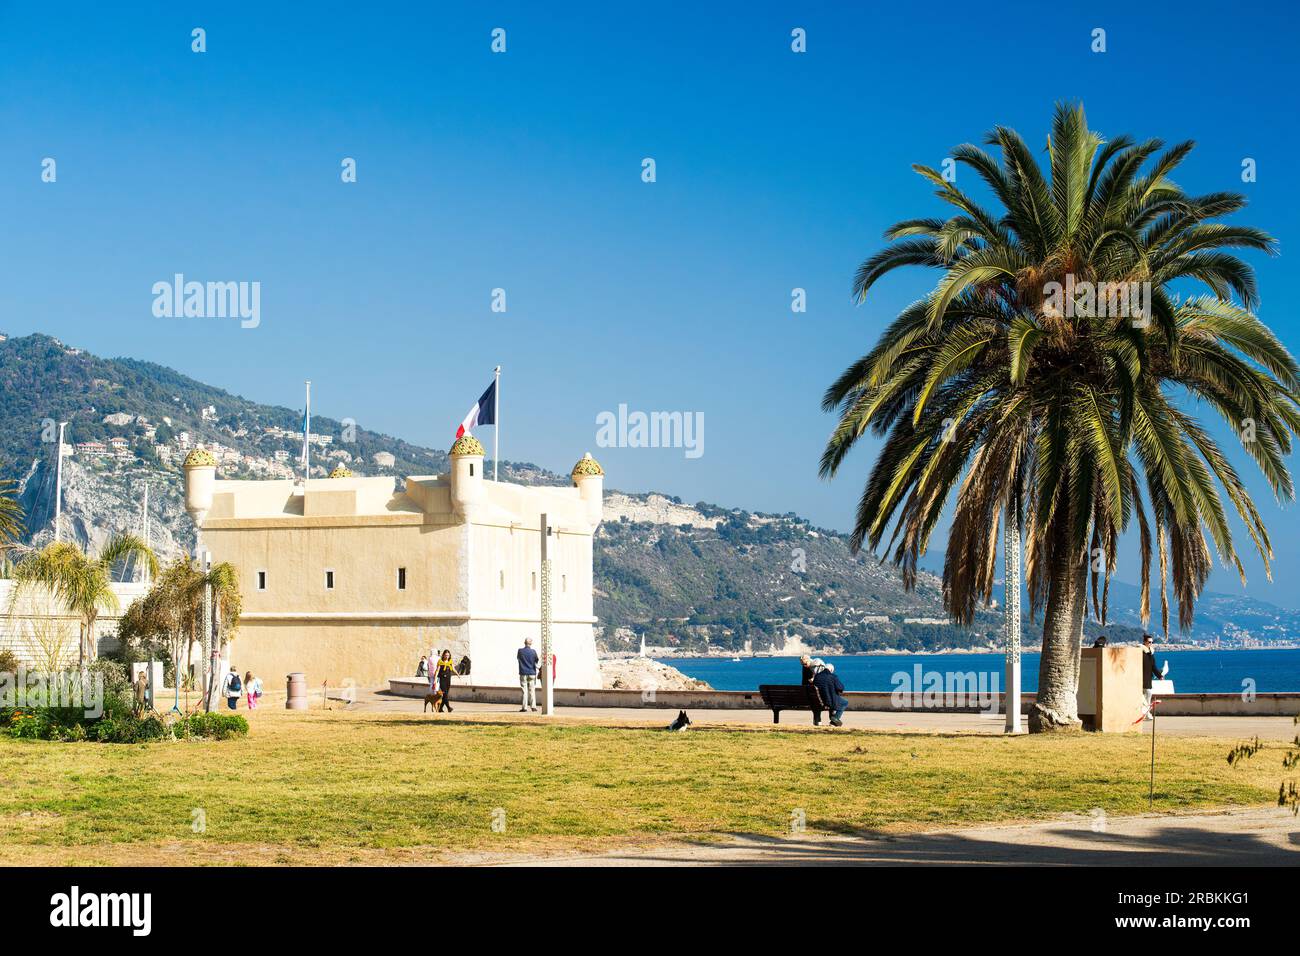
pixel 350 578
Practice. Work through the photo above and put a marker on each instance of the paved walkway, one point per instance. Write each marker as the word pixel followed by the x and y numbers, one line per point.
pixel 1235 838
pixel 1267 728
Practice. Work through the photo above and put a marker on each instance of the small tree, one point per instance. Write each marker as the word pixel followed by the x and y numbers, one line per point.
pixel 171 613
pixel 78 582
pixel 11 518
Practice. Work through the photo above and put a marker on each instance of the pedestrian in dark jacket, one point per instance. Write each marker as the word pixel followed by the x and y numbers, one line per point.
pixel 831 690
pixel 443 670
pixel 1148 670
pixel 814 699
pixel 528 664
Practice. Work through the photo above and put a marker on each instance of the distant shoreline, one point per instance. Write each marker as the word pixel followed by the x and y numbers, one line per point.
pixel 658 653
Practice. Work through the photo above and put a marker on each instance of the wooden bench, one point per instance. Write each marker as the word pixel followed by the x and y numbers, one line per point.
pixel 789 697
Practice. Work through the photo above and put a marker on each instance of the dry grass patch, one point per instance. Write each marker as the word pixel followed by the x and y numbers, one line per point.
pixel 337 787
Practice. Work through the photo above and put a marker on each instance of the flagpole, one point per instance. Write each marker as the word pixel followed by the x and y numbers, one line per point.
pixel 306 443
pixel 496 419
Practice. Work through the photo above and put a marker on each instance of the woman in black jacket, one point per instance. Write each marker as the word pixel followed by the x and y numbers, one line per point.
pixel 442 673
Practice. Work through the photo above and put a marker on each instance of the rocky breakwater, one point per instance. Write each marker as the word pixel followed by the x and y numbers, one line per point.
pixel 642 673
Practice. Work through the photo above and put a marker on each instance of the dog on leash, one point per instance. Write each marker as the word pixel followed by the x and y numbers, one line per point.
pixel 681 723
pixel 433 700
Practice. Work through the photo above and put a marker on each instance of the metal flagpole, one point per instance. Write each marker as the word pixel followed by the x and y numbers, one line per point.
pixel 306 443
pixel 496 419
pixel 144 528
pixel 58 488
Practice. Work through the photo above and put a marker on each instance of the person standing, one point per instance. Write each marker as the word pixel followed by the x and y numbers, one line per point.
pixel 141 693
pixel 1148 669
pixel 231 688
pixel 257 691
pixel 528 661
pixel 443 672
pixel 422 668
pixel 248 690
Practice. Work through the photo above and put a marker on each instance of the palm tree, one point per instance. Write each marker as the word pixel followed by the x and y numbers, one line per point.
pixel 11 518
pixel 172 610
pixel 1015 384
pixel 165 615
pixel 80 583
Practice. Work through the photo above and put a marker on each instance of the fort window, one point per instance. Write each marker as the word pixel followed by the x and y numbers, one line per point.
pixel 261 580
pixel 534 580
pixel 401 579
pixel 329 580
pixel 564 582
pixel 502 579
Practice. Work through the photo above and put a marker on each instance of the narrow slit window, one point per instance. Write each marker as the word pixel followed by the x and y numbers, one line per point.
pixel 534 580
pixel 401 579
pixel 261 580
pixel 502 579
pixel 329 580
pixel 471 469
pixel 564 583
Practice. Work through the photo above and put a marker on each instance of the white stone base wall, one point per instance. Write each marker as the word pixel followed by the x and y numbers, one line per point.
pixel 494 645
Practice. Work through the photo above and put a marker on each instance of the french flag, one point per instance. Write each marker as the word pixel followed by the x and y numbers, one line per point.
pixel 484 411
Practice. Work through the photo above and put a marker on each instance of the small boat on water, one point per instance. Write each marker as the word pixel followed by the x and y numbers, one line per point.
pixel 736 659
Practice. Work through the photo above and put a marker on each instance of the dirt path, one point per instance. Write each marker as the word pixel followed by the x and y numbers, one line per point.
pixel 1269 837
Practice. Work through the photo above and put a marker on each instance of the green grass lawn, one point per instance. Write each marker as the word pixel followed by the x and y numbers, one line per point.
pixel 334 787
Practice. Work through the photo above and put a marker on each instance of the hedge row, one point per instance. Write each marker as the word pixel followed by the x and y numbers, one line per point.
pixel 70 724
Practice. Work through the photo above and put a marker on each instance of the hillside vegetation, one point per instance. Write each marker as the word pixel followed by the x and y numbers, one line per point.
pixel 696 578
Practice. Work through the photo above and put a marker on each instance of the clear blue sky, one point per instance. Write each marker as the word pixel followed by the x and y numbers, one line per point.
pixel 522 171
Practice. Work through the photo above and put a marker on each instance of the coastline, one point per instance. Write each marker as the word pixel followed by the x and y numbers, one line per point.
pixel 665 653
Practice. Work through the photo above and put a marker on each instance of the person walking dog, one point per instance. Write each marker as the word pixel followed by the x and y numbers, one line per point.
pixel 443 672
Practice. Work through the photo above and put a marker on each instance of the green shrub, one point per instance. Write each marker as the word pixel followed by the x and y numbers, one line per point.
pixel 70 724
pixel 216 726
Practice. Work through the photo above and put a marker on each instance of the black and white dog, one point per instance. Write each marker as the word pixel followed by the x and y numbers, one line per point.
pixel 681 723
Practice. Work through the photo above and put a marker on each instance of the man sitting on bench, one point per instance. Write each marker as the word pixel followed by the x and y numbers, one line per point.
pixel 830 689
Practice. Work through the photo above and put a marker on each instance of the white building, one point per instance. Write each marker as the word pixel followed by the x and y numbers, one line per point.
pixel 351 579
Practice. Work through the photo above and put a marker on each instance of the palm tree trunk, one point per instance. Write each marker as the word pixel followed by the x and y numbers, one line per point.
pixel 1011 614
pixel 1057 703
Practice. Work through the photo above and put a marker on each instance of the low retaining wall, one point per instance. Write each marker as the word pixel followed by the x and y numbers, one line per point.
pixel 1228 705
pixel 1171 705
pixel 661 699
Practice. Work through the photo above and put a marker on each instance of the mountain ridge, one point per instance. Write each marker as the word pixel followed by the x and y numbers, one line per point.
pixel 695 577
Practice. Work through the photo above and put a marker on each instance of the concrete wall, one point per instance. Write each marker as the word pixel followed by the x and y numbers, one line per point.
pixel 39 628
pixel 472 576
pixel 700 699
pixel 1110 688
pixel 1170 704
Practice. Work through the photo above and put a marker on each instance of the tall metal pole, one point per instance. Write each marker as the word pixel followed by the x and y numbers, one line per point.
pixel 144 529
pixel 214 686
pixel 306 439
pixel 58 488
pixel 1151 797
pixel 1011 620
pixel 548 690
pixel 496 419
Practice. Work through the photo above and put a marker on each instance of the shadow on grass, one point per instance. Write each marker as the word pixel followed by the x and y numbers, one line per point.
pixel 1174 844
